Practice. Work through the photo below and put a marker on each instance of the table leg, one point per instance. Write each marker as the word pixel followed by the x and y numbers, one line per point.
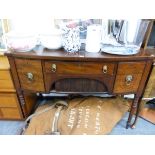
pixel 136 117
pixel 132 110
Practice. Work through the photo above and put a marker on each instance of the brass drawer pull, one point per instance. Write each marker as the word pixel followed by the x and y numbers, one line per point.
pixel 128 79
pixel 105 69
pixel 30 76
pixel 54 67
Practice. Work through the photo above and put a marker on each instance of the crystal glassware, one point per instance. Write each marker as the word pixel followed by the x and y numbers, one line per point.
pixel 71 39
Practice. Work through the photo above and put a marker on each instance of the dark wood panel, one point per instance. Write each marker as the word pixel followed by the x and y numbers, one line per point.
pixel 79 68
pixel 121 85
pixel 130 67
pixel 86 56
pixel 34 67
pixel 73 70
pixel 106 80
pixel 80 85
pixel 30 101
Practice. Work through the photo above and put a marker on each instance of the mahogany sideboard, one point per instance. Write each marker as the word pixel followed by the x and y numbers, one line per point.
pixel 56 71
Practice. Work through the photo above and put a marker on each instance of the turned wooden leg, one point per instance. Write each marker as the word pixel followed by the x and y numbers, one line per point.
pixel 136 117
pixel 132 110
pixel 130 116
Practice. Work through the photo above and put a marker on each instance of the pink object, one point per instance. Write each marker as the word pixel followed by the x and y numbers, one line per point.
pixel 21 42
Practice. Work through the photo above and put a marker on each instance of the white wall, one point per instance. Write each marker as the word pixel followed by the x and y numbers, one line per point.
pixel 32 25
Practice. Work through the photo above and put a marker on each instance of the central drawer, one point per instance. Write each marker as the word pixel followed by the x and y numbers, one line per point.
pixel 92 68
pixel 69 76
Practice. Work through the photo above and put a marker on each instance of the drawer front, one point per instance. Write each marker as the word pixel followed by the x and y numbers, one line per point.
pixel 127 83
pixel 130 68
pixel 6 82
pixel 128 77
pixel 8 100
pixel 79 68
pixel 30 74
pixel 9 113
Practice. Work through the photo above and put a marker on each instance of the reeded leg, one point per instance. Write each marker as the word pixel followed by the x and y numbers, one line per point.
pixel 132 110
pixel 130 116
pixel 136 117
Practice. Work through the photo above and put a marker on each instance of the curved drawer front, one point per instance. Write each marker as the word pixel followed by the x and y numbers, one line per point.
pixel 122 86
pixel 128 77
pixel 30 74
pixel 79 68
pixel 79 76
pixel 131 68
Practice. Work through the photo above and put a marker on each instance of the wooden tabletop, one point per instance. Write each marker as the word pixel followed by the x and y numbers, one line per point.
pixel 80 56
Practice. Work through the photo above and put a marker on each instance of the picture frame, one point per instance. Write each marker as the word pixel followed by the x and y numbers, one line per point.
pixel 4 28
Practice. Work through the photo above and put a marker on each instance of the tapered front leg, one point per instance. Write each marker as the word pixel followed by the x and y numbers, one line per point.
pixel 132 110
pixel 137 113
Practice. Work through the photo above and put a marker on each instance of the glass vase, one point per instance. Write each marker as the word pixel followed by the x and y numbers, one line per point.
pixel 71 39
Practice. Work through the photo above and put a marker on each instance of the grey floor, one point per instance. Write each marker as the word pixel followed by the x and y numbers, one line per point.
pixel 143 127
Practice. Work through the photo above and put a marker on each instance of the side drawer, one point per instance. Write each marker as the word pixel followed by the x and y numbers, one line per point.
pixel 122 86
pixel 79 68
pixel 131 67
pixel 128 76
pixel 30 74
pixel 6 82
pixel 8 100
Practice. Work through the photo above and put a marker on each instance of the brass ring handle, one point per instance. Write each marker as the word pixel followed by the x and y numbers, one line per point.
pixel 105 69
pixel 128 79
pixel 54 67
pixel 30 76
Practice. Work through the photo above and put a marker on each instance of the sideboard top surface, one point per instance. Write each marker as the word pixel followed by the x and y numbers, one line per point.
pixel 80 56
